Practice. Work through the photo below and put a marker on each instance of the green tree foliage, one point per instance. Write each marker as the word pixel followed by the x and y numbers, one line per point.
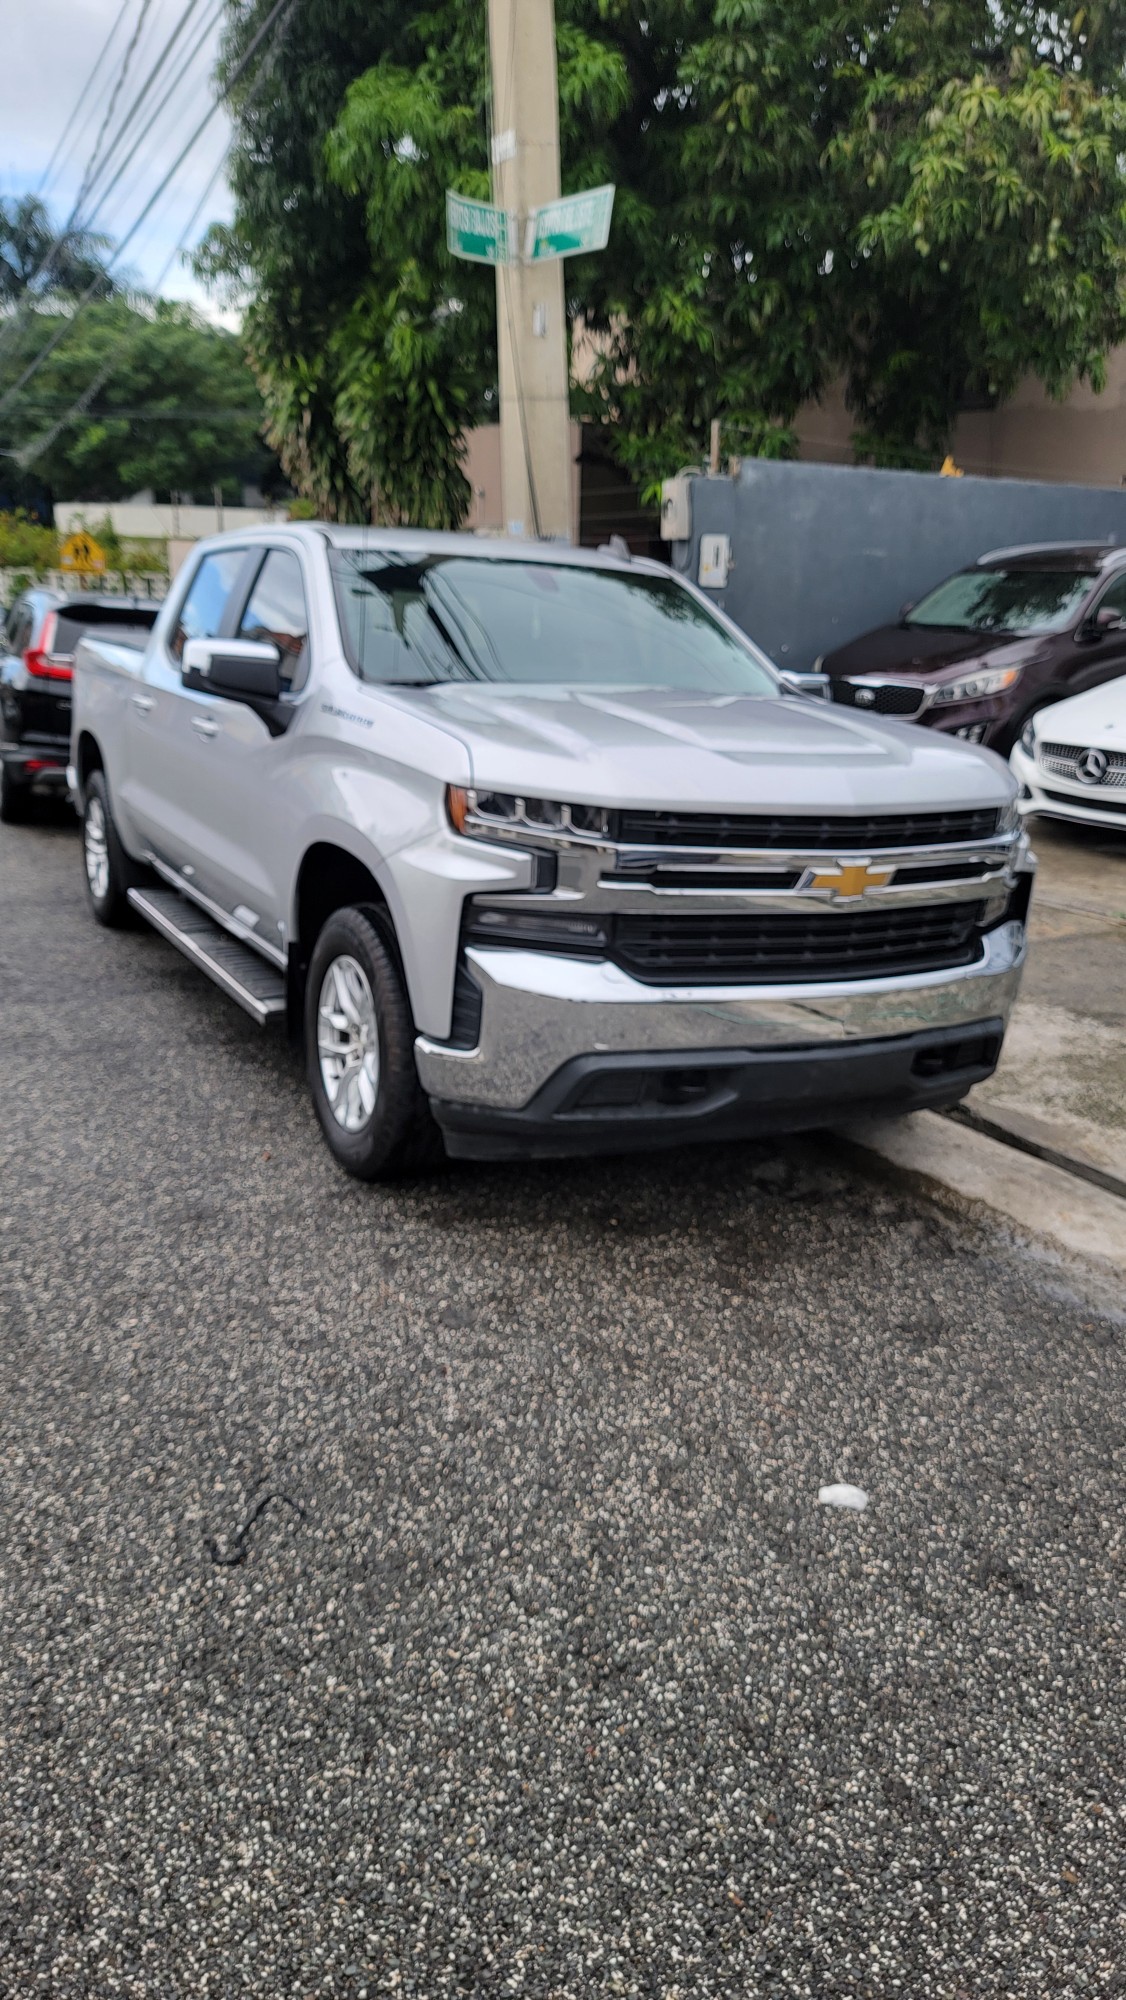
pixel 945 184
pixel 33 262
pixel 927 198
pixel 177 408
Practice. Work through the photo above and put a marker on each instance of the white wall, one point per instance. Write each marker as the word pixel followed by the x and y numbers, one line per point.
pixel 135 520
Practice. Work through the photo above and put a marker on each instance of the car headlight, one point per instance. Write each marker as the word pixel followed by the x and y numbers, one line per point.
pixel 1028 738
pixel 1009 819
pixel 974 687
pixel 482 815
pixel 818 666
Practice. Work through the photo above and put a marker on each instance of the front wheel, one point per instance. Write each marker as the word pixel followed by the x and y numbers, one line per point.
pixel 359 1043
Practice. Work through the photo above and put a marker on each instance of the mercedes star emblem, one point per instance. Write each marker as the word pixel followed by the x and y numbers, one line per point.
pixel 1091 766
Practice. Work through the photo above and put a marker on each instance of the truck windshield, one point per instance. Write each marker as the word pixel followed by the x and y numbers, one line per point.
pixel 422 619
pixel 1005 600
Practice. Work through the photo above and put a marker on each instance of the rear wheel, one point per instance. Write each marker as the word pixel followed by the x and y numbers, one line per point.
pixel 359 1043
pixel 109 874
pixel 14 796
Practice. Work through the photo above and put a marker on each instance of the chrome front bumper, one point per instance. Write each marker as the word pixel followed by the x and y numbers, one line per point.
pixel 540 1011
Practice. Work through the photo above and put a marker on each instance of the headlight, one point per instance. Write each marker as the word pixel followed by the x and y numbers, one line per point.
pixel 1028 739
pixel 485 815
pixel 818 666
pixel 974 687
pixel 1009 819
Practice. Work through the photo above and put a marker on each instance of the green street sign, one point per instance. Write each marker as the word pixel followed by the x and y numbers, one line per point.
pixel 565 228
pixel 477 231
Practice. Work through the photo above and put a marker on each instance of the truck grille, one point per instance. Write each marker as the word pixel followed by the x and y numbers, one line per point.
pixel 752 949
pixel 814 831
pixel 891 698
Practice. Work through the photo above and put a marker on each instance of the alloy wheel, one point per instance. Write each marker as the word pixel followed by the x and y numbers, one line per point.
pixel 96 850
pixel 348 1043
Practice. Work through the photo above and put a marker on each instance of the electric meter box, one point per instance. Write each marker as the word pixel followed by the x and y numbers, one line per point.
pixel 676 509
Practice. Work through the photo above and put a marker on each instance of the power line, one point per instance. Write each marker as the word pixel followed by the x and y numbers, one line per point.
pixel 138 101
pixel 68 132
pixel 60 333
pixel 93 166
pixel 112 105
pixel 30 453
pixel 53 253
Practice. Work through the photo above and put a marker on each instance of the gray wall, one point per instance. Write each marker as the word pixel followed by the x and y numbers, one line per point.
pixel 824 552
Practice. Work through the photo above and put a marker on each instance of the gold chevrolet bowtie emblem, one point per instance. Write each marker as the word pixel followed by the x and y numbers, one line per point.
pixel 849 878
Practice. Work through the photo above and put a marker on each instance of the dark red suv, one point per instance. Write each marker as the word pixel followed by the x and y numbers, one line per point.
pixel 981 653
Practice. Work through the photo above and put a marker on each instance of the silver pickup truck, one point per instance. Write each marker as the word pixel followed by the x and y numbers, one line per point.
pixel 536 852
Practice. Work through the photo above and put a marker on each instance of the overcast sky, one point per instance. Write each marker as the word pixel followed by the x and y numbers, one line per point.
pixel 50 50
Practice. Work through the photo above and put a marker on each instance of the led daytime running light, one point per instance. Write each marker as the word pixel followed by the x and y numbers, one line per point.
pixel 481 813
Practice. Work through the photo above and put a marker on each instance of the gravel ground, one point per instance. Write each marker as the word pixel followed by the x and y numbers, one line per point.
pixel 425 1592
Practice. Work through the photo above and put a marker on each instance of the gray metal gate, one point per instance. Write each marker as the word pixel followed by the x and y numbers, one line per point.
pixel 823 552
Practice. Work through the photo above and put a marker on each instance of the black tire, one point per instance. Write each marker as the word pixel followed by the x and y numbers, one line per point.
pixel 106 885
pixel 397 1134
pixel 15 798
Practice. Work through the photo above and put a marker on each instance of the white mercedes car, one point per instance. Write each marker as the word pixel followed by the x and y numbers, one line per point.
pixel 1070 762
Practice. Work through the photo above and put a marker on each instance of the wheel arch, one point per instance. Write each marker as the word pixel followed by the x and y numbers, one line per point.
pixel 87 759
pixel 331 877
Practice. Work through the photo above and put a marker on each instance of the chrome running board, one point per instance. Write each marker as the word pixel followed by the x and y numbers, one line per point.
pixel 241 972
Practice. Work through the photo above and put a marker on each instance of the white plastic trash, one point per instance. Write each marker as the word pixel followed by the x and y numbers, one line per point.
pixel 843 1496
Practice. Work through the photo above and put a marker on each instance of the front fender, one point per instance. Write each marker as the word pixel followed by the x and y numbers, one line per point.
pixel 424 882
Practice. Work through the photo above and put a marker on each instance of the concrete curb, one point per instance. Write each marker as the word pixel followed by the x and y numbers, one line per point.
pixel 1039 1199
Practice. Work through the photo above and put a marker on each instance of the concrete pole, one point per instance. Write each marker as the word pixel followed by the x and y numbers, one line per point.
pixel 535 418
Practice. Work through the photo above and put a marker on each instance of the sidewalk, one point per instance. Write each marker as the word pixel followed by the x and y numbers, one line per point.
pixel 1061 1085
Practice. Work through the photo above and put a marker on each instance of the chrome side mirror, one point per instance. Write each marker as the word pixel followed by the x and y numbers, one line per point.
pixel 813 687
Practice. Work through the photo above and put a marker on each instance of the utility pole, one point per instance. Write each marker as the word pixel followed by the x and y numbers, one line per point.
pixel 535 412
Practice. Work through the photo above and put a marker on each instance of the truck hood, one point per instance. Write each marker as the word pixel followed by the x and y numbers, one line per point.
pixel 725 753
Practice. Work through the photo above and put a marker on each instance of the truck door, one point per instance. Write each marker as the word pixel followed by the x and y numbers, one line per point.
pixel 167 724
pixel 238 794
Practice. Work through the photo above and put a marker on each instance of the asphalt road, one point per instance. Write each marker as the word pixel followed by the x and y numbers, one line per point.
pixel 425 1592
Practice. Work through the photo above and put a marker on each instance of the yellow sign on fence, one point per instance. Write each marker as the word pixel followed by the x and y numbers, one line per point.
pixel 81 552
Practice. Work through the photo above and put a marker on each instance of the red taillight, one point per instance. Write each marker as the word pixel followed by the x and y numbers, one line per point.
pixel 41 661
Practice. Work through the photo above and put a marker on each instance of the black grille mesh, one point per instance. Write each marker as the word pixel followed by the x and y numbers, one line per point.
pixel 816 831
pixel 754 948
pixel 897 699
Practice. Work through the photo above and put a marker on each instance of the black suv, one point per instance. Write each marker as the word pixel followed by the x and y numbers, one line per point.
pixel 981 653
pixel 37 646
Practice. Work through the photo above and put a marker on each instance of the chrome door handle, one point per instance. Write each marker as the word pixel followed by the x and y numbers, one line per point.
pixel 203 726
pixel 142 703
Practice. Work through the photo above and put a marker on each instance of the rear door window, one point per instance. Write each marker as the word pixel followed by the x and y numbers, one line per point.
pixel 1113 598
pixel 201 613
pixel 277 612
pixel 76 620
pixel 18 626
